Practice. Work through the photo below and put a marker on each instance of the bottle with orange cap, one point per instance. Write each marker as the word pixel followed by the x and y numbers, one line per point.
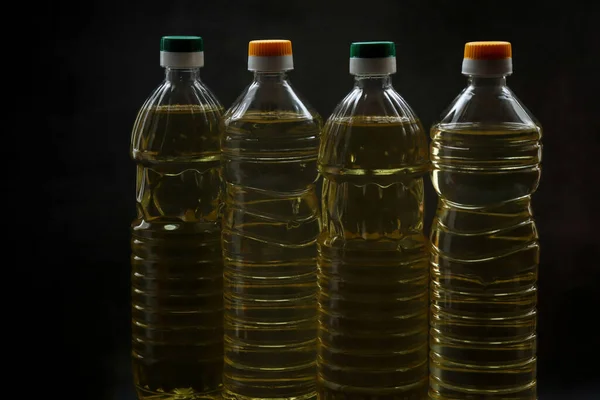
pixel 373 260
pixel 486 154
pixel 270 225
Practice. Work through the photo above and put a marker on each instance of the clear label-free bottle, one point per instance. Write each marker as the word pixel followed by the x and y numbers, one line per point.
pixel 270 226
pixel 373 260
pixel 177 284
pixel 486 154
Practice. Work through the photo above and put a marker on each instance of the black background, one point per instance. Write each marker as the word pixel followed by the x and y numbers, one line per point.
pixel 102 62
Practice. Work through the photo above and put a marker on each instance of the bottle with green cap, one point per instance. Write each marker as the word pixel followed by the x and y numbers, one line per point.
pixel 372 252
pixel 176 262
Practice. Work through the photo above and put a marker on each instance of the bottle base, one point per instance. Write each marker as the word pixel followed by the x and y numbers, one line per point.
pixel 228 395
pixel 416 391
pixel 177 394
pixel 437 392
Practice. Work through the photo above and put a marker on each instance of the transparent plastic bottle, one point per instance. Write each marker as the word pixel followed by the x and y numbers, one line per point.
pixel 486 155
pixel 177 283
pixel 373 259
pixel 270 226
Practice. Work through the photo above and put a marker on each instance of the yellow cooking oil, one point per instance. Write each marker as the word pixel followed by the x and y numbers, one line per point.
pixel 373 261
pixel 485 256
pixel 270 226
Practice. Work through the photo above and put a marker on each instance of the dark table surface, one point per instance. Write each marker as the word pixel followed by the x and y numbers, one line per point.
pixel 126 392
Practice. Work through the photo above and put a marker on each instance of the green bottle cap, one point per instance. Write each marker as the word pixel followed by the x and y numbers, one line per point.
pixel 372 49
pixel 181 44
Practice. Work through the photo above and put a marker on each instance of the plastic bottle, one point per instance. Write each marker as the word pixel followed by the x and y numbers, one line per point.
pixel 486 155
pixel 373 259
pixel 270 226
pixel 177 284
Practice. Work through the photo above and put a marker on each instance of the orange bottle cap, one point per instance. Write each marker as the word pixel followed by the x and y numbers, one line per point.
pixel 488 50
pixel 270 48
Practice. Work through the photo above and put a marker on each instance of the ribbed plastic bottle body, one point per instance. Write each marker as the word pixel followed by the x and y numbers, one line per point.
pixel 373 260
pixel 486 155
pixel 177 304
pixel 270 226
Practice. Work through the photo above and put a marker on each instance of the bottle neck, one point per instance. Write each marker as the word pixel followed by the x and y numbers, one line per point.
pixel 373 82
pixel 182 74
pixel 482 81
pixel 270 76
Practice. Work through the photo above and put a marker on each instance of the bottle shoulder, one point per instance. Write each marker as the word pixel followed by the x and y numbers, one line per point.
pixel 177 120
pixel 383 103
pixel 487 109
pixel 194 92
pixel 373 132
pixel 273 103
